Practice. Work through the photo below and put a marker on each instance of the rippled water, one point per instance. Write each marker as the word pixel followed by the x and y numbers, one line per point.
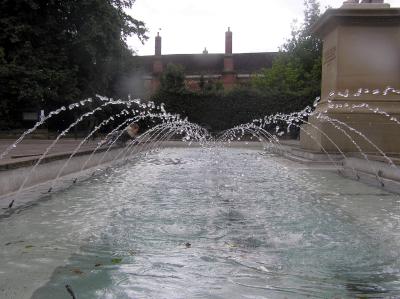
pixel 259 227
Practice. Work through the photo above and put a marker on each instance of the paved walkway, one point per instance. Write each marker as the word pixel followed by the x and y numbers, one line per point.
pixel 34 148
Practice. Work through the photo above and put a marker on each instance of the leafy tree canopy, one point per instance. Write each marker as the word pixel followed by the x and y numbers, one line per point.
pixel 296 72
pixel 173 79
pixel 54 52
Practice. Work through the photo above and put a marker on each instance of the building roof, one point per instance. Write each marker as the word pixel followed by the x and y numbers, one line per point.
pixel 196 64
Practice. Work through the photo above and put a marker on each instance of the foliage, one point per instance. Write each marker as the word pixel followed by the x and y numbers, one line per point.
pixel 56 52
pixel 116 261
pixel 219 111
pixel 173 79
pixel 296 72
pixel 213 108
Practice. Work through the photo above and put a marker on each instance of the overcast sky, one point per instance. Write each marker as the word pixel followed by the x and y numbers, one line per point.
pixel 187 26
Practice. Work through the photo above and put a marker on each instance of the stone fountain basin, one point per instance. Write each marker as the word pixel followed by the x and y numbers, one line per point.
pixel 259 225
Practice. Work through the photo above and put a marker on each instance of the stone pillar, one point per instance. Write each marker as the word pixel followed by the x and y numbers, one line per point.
pixel 361 49
pixel 157 64
pixel 229 76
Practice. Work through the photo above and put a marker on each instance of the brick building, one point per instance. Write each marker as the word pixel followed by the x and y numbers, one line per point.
pixel 229 68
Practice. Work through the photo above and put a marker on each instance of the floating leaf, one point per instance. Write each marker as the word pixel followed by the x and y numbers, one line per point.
pixel 77 271
pixel 29 246
pixel 16 242
pixel 116 260
pixel 231 245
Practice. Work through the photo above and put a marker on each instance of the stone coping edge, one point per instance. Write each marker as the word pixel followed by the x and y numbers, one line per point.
pixel 29 161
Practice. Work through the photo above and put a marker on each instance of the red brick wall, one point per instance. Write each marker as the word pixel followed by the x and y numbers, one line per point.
pixel 228 42
pixel 192 85
pixel 157 51
pixel 229 80
pixel 228 64
pixel 157 66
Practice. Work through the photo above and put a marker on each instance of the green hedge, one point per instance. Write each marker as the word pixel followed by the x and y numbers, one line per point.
pixel 220 111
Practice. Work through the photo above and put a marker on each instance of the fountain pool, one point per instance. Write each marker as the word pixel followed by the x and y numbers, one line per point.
pixel 205 223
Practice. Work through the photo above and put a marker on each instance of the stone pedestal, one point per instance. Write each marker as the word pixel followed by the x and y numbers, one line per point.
pixel 361 49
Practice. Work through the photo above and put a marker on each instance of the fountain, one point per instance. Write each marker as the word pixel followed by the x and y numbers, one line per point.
pixel 131 219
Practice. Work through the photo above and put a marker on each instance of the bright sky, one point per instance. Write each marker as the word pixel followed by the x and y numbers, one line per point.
pixel 187 26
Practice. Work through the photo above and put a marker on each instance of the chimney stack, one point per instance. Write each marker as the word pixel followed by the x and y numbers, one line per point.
pixel 158 45
pixel 228 76
pixel 228 42
pixel 157 65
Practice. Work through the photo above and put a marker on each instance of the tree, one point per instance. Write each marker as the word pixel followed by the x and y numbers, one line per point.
pixel 173 79
pixel 56 52
pixel 295 76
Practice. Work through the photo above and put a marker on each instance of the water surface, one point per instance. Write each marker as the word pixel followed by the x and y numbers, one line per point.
pixel 259 227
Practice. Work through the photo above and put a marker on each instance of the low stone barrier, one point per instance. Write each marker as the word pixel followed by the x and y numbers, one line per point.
pixel 13 174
